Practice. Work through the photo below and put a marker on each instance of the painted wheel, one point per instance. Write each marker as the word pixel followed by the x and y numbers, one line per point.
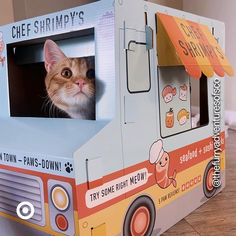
pixel 208 189
pixel 140 217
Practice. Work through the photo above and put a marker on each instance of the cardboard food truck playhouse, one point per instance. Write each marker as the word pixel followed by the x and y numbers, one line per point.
pixel 153 150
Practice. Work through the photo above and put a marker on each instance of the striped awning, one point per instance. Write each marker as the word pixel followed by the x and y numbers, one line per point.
pixel 183 42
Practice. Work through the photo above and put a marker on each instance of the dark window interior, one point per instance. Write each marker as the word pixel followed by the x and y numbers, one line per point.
pixel 26 88
pixel 204 111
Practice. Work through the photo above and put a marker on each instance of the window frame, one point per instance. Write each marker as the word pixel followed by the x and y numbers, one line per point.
pixel 127 70
pixel 203 77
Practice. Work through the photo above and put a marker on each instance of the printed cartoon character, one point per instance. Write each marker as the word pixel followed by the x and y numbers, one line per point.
pixel 162 160
pixel 183 116
pixel 2 59
pixel 183 93
pixel 170 118
pixel 168 93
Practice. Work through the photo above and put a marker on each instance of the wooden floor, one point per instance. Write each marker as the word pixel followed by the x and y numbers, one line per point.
pixel 217 216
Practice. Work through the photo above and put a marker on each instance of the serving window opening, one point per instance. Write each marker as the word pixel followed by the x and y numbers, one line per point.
pixel 72 84
pixel 183 101
pixel 188 54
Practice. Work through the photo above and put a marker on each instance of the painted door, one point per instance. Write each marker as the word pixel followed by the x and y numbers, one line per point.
pixel 139 126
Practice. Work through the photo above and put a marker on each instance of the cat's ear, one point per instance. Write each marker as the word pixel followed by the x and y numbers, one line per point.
pixel 52 54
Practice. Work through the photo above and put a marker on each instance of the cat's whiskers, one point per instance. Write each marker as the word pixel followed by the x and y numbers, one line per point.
pixel 49 107
pixel 46 103
pixel 90 91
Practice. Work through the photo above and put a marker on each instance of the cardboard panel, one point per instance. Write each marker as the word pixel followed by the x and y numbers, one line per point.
pixel 138 68
pixel 100 230
pixel 174 92
pixel 197 49
pixel 176 36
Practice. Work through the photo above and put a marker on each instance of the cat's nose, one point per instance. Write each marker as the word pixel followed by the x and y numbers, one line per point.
pixel 80 83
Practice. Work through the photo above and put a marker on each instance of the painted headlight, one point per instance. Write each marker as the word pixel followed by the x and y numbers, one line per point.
pixel 61 222
pixel 60 198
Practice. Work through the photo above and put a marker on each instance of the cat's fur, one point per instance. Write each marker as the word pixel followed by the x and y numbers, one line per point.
pixel 70 82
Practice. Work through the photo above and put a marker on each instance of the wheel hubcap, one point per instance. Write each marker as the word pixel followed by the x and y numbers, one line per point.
pixel 140 221
pixel 209 179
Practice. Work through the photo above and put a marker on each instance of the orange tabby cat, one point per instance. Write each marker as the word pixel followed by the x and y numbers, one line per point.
pixel 70 82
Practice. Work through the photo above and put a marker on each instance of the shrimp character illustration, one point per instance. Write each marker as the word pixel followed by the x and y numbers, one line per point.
pixel 183 116
pixel 168 93
pixel 162 160
pixel 2 59
pixel 183 93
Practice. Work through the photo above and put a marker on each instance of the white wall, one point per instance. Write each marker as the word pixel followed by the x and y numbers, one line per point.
pixel 224 11
pixel 31 8
pixel 178 4
pixel 6 12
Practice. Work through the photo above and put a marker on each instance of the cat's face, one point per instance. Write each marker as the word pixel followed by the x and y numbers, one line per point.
pixel 69 82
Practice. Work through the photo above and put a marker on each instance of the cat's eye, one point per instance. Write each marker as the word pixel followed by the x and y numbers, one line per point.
pixel 66 73
pixel 90 74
